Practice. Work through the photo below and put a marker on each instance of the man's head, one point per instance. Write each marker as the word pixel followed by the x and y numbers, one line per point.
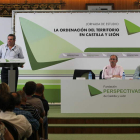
pixel 7 102
pixel 11 40
pixel 17 98
pixel 30 88
pixel 39 88
pixel 4 88
pixel 113 60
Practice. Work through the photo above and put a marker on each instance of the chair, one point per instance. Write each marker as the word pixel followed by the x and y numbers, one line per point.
pixel 34 136
pixel 41 131
pixel 100 75
pixel 11 129
pixel 82 73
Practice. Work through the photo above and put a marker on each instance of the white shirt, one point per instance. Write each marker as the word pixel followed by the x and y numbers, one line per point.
pixel 22 125
pixel 15 52
pixel 108 71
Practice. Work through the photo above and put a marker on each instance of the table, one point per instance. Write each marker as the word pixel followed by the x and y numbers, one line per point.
pixel 100 96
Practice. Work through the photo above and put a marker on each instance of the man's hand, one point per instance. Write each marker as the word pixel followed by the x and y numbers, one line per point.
pixel 40 120
pixel 118 76
pixel 22 66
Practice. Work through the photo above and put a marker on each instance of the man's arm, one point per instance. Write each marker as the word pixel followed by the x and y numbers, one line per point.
pixel 42 113
pixel 120 72
pixel 1 51
pixel 105 73
pixel 137 72
pixel 20 55
pixel 45 104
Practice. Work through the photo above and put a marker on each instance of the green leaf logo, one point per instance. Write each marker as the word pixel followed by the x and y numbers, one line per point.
pixel 93 91
pixel 44 47
pixel 7 60
pixel 1 42
pixel 131 27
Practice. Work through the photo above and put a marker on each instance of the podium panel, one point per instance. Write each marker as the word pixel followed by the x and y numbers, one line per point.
pixel 11 80
pixel 11 73
pixel 100 96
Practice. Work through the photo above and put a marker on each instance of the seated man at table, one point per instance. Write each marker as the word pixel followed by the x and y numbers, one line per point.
pixel 137 73
pixel 112 70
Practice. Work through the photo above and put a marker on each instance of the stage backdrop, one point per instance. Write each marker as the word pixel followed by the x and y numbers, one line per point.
pixel 78 40
pixel 5 29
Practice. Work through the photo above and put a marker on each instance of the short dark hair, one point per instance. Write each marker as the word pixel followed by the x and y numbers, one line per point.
pixel 7 102
pixel 30 88
pixel 17 98
pixel 39 88
pixel 114 55
pixel 14 37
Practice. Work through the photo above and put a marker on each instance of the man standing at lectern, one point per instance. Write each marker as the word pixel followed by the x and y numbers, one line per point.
pixel 10 50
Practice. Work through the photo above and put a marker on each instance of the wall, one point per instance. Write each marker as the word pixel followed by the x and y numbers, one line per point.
pixel 81 4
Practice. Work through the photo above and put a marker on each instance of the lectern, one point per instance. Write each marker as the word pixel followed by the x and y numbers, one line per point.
pixel 11 73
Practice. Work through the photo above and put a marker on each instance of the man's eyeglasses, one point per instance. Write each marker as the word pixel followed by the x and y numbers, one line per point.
pixel 112 59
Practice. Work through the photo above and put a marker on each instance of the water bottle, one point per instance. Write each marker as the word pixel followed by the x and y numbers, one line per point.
pixel 90 75
pixel 123 75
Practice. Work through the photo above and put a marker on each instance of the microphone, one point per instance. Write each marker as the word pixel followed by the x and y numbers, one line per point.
pixel 5 53
pixel 14 49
